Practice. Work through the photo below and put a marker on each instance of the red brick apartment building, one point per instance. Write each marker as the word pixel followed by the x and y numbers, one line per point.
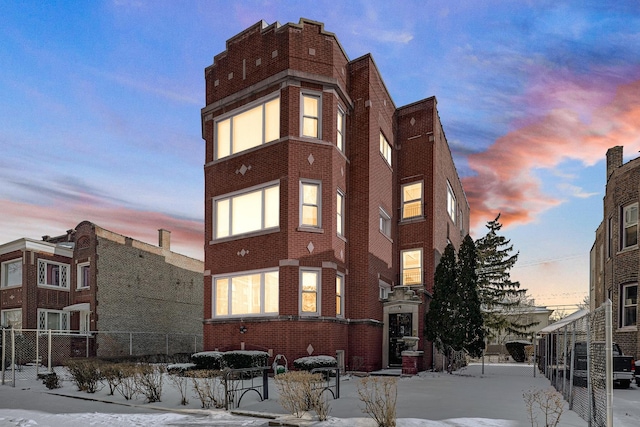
pixel 615 257
pixel 326 206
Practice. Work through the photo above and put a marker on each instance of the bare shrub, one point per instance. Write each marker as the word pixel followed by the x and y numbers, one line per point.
pixel 181 383
pixel 112 374
pixel 379 395
pixel 546 403
pixel 208 387
pixel 149 381
pixel 299 392
pixel 86 374
pixel 128 383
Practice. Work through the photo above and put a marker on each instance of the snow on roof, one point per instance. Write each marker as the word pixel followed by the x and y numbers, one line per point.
pixel 564 322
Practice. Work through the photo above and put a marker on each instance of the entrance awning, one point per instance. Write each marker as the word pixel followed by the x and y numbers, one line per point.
pixel 83 306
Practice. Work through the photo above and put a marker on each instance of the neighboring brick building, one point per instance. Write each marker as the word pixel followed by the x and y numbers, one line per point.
pixel 615 258
pixel 91 280
pixel 326 206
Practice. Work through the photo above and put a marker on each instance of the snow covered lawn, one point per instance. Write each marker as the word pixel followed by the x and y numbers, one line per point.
pixel 466 398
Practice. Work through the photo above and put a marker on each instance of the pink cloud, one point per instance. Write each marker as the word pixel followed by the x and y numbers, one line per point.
pixel 33 221
pixel 504 180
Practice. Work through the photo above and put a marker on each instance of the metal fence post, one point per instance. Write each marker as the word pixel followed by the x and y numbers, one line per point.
pixel 608 321
pixel 48 355
pixel 130 344
pixel 166 343
pixel 4 354
pixel 13 356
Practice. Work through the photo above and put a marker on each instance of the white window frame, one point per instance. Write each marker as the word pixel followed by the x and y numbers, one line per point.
pixel 385 223
pixel 44 322
pixel 80 276
pixel 217 205
pixel 220 153
pixel 407 271
pixel 406 202
pixel 63 279
pixel 85 322
pixel 628 304
pixel 340 213
pixel 385 148
pixel 5 266
pixel 340 295
pixel 219 279
pixel 317 204
pixel 384 289
pixel 5 323
pixel 318 274
pixel 340 124
pixel 451 202
pixel 629 220
pixel 305 115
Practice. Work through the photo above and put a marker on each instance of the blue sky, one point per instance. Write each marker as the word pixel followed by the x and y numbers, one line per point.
pixel 100 111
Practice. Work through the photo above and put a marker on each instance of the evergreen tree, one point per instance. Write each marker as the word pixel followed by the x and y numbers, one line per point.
pixel 499 295
pixel 468 288
pixel 444 309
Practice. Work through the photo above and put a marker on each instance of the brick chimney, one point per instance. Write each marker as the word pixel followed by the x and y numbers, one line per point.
pixel 164 239
pixel 614 159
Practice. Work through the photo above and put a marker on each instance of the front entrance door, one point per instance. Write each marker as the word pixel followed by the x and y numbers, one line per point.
pixel 399 326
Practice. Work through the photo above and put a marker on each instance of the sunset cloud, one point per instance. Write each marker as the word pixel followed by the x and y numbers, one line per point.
pixel 504 179
pixel 56 219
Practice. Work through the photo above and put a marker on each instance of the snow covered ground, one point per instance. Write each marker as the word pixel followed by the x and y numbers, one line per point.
pixel 466 398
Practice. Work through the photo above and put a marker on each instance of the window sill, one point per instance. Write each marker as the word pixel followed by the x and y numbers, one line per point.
pixel 84 288
pixel 344 239
pixel 11 287
pixel 310 229
pixel 627 249
pixel 412 220
pixel 633 328
pixel 245 235
pixel 57 288
pixel 386 236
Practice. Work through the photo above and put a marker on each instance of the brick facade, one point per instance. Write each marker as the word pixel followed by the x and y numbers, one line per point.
pixel 287 61
pixel 612 266
pixel 133 286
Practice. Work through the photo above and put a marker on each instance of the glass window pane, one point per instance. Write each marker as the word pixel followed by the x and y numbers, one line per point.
pixel 240 295
pixel 246 213
pixel 411 259
pixel 310 215
pixel 222 218
pixel 271 292
pixel 309 302
pixel 223 138
pixel 310 106
pixel 272 207
pixel 254 296
pixel 631 235
pixel 247 129
pixel 310 127
pixel 412 209
pixel 13 273
pixel 309 281
pixel 222 297
pixel 412 191
pixel 272 120
pixel 310 194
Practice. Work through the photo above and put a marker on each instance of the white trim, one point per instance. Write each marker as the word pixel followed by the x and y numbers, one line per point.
pixel 79 275
pixel 318 96
pixel 3 273
pixel 318 273
pixel 35 246
pixel 420 199
pixel 83 306
pixel 229 278
pixel 341 294
pixel 402 267
pixel 302 183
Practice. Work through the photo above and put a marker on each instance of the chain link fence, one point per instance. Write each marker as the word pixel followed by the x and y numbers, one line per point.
pixel 25 349
pixel 574 354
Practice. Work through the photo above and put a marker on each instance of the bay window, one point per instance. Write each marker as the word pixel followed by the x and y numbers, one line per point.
pixel 56 320
pixel 311 115
pixel 245 294
pixel 249 127
pixel 253 210
pixel 310 292
pixel 310 192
